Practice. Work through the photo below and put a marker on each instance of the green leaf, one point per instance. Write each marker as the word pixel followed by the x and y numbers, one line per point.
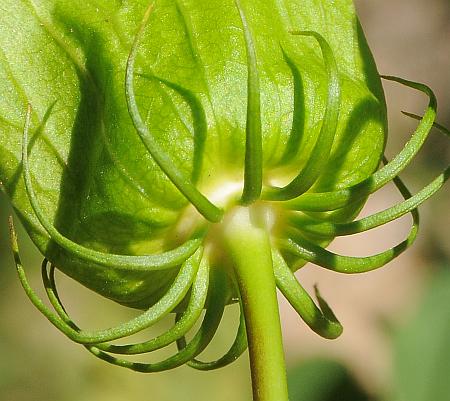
pixel 93 177
pixel 422 351
pixel 323 380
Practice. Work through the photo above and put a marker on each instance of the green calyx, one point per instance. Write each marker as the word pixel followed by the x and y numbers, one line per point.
pixel 194 154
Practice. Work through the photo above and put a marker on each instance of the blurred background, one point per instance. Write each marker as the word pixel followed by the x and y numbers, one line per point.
pixel 396 341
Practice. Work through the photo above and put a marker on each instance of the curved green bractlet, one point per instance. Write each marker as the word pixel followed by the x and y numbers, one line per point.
pixel 206 208
pixel 236 350
pixel 320 153
pixel 210 323
pixel 301 247
pixel 163 261
pixel 322 321
pixel 155 313
pixel 340 198
pixel 182 155
pixel 186 322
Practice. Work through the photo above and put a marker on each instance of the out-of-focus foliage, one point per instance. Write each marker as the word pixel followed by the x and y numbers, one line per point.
pixel 422 348
pixel 323 380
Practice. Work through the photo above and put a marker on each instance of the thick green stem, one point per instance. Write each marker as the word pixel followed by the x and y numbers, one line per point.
pixel 248 243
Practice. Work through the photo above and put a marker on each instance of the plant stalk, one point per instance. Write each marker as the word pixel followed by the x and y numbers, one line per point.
pixel 248 243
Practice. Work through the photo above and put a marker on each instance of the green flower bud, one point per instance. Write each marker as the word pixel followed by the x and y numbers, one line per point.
pixel 192 154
